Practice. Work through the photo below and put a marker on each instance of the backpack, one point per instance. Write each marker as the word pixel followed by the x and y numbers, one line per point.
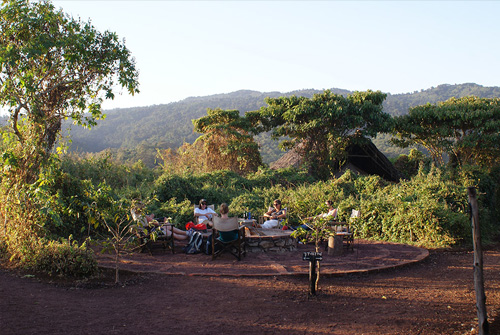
pixel 194 245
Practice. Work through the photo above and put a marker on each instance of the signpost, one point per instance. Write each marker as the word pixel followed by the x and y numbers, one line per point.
pixel 313 258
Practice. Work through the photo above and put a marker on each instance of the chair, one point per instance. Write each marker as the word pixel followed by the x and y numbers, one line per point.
pixel 195 220
pixel 150 235
pixel 355 215
pixel 222 228
pixel 343 229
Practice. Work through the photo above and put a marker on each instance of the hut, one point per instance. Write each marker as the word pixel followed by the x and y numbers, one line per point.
pixel 363 159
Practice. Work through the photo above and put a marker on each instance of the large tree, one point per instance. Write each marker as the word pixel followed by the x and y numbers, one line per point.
pixel 228 141
pixel 320 128
pixel 466 129
pixel 52 67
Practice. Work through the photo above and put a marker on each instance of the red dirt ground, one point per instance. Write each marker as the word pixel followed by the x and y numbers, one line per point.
pixel 434 296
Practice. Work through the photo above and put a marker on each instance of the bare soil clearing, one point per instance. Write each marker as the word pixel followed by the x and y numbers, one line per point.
pixel 434 296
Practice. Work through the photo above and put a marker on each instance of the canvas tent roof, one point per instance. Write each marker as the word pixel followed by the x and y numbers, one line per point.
pixel 362 159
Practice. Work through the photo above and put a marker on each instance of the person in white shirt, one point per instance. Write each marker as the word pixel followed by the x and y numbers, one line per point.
pixel 204 214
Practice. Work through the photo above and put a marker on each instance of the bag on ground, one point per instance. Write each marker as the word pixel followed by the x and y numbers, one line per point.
pixel 194 245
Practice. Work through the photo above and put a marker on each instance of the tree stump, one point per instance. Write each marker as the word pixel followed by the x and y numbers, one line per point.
pixel 335 245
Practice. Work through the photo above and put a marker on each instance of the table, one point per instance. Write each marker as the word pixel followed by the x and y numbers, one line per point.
pixel 339 232
pixel 247 222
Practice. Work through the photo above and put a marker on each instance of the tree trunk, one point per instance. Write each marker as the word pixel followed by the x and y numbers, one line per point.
pixel 478 265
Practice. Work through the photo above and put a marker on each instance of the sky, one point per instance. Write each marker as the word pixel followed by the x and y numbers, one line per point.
pixel 199 48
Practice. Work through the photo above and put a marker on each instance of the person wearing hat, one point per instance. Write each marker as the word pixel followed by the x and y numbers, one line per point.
pixel 204 214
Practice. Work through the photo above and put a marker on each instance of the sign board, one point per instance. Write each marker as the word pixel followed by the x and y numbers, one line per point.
pixel 312 256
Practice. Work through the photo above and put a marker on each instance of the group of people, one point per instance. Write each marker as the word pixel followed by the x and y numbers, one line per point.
pixel 204 214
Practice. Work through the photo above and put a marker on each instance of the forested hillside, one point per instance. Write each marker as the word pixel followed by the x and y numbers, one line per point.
pixel 136 133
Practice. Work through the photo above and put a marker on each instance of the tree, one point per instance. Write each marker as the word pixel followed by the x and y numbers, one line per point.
pixel 228 141
pixel 467 129
pixel 320 128
pixel 52 67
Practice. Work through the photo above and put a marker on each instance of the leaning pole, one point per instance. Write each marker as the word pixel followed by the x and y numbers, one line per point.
pixel 478 264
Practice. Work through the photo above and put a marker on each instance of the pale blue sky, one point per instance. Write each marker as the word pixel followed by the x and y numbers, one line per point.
pixel 197 48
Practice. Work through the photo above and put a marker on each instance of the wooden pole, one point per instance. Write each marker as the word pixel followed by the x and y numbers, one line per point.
pixel 478 265
pixel 313 258
pixel 312 276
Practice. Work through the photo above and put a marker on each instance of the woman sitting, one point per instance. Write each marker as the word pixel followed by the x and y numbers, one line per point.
pixel 331 214
pixel 226 236
pixel 204 214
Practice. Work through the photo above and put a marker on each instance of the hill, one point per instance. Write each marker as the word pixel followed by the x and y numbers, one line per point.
pixel 135 133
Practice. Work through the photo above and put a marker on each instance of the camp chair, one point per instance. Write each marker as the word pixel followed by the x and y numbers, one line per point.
pixel 195 220
pixel 355 215
pixel 343 229
pixel 150 235
pixel 223 227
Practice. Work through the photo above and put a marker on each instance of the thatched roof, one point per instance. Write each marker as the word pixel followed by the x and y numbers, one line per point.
pixel 363 159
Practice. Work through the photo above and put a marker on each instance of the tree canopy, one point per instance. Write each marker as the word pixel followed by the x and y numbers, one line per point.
pixel 467 129
pixel 320 128
pixel 54 67
pixel 228 141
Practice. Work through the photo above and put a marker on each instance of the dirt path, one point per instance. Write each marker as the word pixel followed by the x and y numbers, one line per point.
pixel 435 296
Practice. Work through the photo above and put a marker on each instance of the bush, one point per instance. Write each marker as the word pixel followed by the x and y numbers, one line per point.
pixel 64 259
pixel 409 164
pixel 180 213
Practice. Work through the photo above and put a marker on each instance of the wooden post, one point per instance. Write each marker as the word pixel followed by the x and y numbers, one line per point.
pixel 338 245
pixel 331 245
pixel 312 277
pixel 313 258
pixel 478 265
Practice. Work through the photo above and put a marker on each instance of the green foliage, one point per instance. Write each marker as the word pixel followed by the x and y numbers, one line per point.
pixel 289 177
pixel 466 129
pixel 170 126
pixel 228 142
pixel 100 168
pixel 179 212
pixel 320 128
pixel 52 68
pixel 409 164
pixel 65 258
pixel 120 227
pixel 319 231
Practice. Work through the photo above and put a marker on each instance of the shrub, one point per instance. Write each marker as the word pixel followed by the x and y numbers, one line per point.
pixel 65 258
pixel 409 164
pixel 180 213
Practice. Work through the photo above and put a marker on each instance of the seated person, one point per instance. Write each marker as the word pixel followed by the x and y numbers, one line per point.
pixel 226 236
pixel 332 213
pixel 146 220
pixel 204 214
pixel 276 214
